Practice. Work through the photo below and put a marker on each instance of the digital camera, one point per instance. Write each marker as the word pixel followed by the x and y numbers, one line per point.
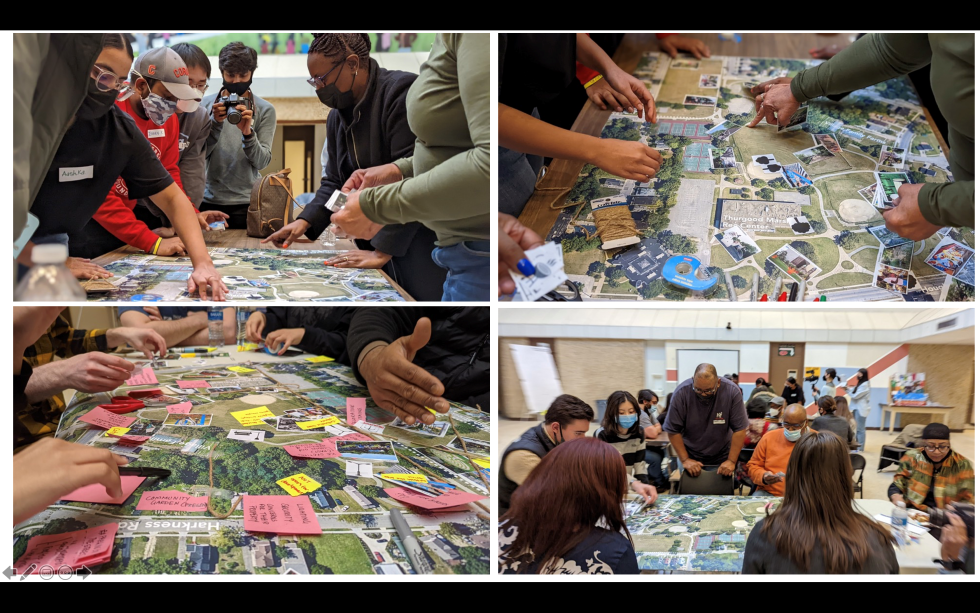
pixel 231 102
pixel 937 517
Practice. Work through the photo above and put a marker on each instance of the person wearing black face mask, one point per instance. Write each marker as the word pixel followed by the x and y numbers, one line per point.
pixel 366 128
pixel 235 157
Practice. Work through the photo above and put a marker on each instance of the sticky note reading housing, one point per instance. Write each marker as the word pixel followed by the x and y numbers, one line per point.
pixel 298 484
pixel 252 417
pixel 143 377
pixel 280 514
pixel 356 410
pixel 106 419
pixel 317 423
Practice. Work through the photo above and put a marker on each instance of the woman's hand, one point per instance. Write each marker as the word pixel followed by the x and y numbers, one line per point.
pixel 635 92
pixel 203 276
pixel 255 326
pixel 513 238
pixel 146 340
pixel 359 259
pixel 84 269
pixel 171 246
pixel 288 234
pixel 206 218
pixel 775 101
pixel 648 492
pixel 287 337
pixel 353 221
pixel 372 177
pixel 625 158
pixel 675 42
pixel 602 94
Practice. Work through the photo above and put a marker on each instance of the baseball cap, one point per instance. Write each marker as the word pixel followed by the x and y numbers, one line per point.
pixel 779 400
pixel 163 64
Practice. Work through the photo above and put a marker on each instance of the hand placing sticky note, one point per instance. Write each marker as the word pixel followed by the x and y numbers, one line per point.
pixel 252 417
pixel 96 493
pixel 143 377
pixel 356 410
pixel 117 431
pixel 240 369
pixel 186 385
pixel 298 484
pixel 183 407
pixel 319 359
pixel 280 515
pixel 316 423
pixel 106 419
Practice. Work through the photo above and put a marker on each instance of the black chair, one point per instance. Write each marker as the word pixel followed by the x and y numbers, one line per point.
pixel 890 454
pixel 858 463
pixel 708 483
pixel 743 457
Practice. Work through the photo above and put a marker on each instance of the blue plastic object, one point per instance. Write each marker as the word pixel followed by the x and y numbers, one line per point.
pixel 681 270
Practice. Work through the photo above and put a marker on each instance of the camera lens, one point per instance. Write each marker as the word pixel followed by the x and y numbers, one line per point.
pixel 234 116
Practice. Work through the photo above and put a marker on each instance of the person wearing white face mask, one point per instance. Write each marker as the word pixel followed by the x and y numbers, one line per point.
pixel 767 468
pixel 152 102
pixel 621 429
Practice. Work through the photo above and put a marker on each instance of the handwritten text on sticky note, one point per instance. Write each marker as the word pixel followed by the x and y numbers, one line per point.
pixel 280 514
pixel 143 377
pixel 298 484
pixel 183 407
pixel 117 431
pixel 171 500
pixel 252 417
pixel 317 423
pixel 106 419
pixel 356 410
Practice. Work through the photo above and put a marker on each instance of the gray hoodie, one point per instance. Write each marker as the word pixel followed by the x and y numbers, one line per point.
pixel 234 162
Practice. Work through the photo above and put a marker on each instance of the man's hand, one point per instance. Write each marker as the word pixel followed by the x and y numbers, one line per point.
pixel 206 218
pixel 245 123
pixel 52 468
pixel 692 467
pixel 165 232
pixel 96 372
pixel 625 158
pixel 399 386
pixel 353 221
pixel 372 177
pixel 171 246
pixel 768 478
pixel 604 96
pixel 83 268
pixel 648 492
pixel 906 219
pixel 152 312
pixel 203 276
pixel 775 102
pixel 359 259
pixel 635 92
pixel 218 110
pixel 726 468
pixel 287 337
pixel 953 539
pixel 513 238
pixel 674 43
pixel 146 340
pixel 255 326
pixel 288 234
pixel 897 498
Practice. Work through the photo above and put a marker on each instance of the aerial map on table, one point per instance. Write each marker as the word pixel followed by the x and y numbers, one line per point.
pixel 249 274
pixel 794 204
pixel 695 533
pixel 215 459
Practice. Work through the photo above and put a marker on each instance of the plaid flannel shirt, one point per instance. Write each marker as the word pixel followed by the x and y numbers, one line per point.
pixel 62 340
pixel 953 480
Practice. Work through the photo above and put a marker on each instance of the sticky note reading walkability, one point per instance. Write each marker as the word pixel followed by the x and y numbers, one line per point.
pixel 405 477
pixel 481 462
pixel 117 431
pixel 171 500
pixel 280 514
pixel 74 549
pixel 106 419
pixel 319 359
pixel 240 369
pixel 143 377
pixel 252 417
pixel 186 385
pixel 451 498
pixel 356 410
pixel 316 423
pixel 96 493
pixel 316 451
pixel 183 407
pixel 298 484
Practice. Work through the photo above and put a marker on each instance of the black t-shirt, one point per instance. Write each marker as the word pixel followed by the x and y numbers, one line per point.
pixel 93 154
pixel 534 68
pixel 793 396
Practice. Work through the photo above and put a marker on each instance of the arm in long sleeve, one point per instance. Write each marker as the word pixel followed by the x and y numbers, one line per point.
pixel 120 220
pixel 315 213
pixel 275 319
pixel 323 342
pixel 754 561
pixel 192 163
pixel 757 465
pixel 214 133
pixel 258 148
pixel 437 193
pixel 948 204
pixel 519 464
pixel 30 51
pixel 900 483
pixel 871 59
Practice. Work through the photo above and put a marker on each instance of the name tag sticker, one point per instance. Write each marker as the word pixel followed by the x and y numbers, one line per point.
pixel 156 133
pixel 719 422
pixel 75 174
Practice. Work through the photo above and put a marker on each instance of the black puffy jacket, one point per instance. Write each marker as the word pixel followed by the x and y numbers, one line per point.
pixel 458 353
pixel 326 328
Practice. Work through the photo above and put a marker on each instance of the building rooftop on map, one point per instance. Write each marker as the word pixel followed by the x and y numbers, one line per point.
pixel 204 558
pixel 262 554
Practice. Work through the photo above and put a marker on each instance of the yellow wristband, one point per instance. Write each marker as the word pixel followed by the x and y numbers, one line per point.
pixel 593 82
pixel 156 246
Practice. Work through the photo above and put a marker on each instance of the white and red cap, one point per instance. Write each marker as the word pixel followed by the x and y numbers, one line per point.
pixel 164 65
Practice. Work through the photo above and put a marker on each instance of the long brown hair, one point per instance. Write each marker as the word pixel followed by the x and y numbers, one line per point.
pixel 843 410
pixel 817 509
pixel 610 419
pixel 577 484
pixel 828 404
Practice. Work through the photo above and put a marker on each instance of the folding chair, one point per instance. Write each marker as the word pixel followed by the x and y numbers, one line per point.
pixel 858 463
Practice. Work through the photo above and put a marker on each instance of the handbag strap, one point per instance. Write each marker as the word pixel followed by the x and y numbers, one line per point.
pixel 292 200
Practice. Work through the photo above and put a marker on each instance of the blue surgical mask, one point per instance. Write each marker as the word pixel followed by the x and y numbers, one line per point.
pixel 627 421
pixel 792 435
pixel 158 108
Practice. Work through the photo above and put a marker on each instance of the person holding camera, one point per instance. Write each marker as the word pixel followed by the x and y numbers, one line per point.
pixel 366 128
pixel 933 475
pixel 236 155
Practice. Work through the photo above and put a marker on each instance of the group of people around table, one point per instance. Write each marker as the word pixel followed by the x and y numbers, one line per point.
pixel 806 462
pixel 146 159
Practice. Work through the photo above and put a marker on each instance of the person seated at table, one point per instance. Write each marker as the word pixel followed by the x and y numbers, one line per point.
pixel 816 530
pixel 921 209
pixel 792 392
pixel 418 358
pixel 757 411
pixel 932 476
pixel 761 386
pixel 771 455
pixel 651 427
pixel 707 422
pixel 829 421
pixel 567 517
pixel 84 366
pixel 316 330
pixel 843 410
pixel 777 404
pixel 179 326
pixel 100 127
pixel 367 128
pixel 568 418
pixel 152 103
pixel 621 429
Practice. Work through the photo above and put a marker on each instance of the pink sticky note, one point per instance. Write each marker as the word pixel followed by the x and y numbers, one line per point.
pixel 451 498
pixel 280 514
pixel 96 492
pixel 145 377
pixel 132 441
pixel 183 407
pixel 356 410
pixel 106 419
pixel 171 500
pixel 186 385
pixel 75 549
pixel 318 451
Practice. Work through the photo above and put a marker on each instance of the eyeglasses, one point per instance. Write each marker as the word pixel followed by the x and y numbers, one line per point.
pixel 318 82
pixel 942 448
pixel 201 88
pixel 794 427
pixel 106 80
pixel 705 393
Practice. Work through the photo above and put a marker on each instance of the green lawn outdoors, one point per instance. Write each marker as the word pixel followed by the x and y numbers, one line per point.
pixel 826 257
pixel 721 521
pixel 847 265
pixel 721 258
pixel 165 548
pixel 577 262
pixel 679 83
pixel 866 258
pixel 919 266
pixel 745 272
pixel 646 542
pixel 844 279
pixel 844 187
pixel 764 139
pixel 342 553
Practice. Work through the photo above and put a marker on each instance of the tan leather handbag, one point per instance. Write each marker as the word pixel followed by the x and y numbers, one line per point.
pixel 270 206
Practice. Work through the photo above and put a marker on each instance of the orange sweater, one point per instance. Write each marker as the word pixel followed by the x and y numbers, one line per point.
pixel 770 455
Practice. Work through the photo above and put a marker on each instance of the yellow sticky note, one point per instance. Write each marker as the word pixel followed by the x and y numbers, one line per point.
pixel 298 484
pixel 188 355
pixel 481 462
pixel 405 477
pixel 319 358
pixel 117 431
pixel 433 411
pixel 317 423
pixel 252 417
pixel 240 369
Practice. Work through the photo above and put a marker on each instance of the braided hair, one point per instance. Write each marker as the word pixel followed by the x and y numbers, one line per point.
pixel 329 44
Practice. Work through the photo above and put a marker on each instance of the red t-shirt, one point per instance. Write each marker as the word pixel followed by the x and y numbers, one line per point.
pixel 584 74
pixel 116 213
